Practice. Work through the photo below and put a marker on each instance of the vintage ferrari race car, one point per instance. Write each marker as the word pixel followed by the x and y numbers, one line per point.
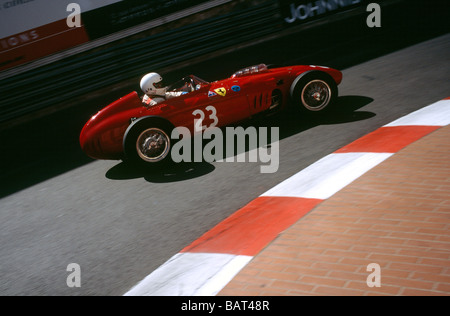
pixel 131 130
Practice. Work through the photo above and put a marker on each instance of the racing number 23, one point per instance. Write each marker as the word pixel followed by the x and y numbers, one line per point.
pixel 200 116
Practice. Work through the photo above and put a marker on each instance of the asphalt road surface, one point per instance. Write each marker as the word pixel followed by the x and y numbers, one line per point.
pixel 58 207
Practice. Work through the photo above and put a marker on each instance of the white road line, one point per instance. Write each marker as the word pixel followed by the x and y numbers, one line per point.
pixel 327 176
pixel 436 114
pixel 190 274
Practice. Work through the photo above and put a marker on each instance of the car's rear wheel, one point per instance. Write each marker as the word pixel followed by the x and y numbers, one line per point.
pixel 315 92
pixel 148 143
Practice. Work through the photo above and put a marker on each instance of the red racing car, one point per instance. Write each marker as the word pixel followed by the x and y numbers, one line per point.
pixel 131 130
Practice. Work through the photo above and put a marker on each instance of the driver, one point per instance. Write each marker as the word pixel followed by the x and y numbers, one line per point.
pixel 155 92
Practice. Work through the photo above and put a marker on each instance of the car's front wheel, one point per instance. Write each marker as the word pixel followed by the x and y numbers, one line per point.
pixel 315 92
pixel 148 143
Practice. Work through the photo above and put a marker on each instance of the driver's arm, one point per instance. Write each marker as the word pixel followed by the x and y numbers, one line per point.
pixel 151 101
pixel 174 94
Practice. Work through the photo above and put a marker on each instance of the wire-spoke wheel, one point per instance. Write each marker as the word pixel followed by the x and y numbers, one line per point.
pixel 316 95
pixel 147 142
pixel 153 145
pixel 314 92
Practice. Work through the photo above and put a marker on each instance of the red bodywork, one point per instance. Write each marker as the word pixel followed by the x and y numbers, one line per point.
pixel 240 97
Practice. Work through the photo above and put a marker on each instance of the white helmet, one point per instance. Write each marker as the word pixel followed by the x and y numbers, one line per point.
pixel 151 84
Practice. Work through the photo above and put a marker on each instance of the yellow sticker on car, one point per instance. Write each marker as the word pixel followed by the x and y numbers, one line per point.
pixel 221 91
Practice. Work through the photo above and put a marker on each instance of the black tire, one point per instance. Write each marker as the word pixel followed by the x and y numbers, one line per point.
pixel 314 92
pixel 147 143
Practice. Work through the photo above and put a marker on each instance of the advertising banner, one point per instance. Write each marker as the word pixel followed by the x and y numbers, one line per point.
pixel 31 29
pixel 39 42
pixel 17 16
pixel 301 11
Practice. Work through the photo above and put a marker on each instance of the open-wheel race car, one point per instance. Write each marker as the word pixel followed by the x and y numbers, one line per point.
pixel 130 129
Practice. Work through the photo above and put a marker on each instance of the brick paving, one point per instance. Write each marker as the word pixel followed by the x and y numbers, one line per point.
pixel 397 215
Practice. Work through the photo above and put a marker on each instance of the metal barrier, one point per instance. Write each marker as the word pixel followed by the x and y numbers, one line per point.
pixel 78 75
